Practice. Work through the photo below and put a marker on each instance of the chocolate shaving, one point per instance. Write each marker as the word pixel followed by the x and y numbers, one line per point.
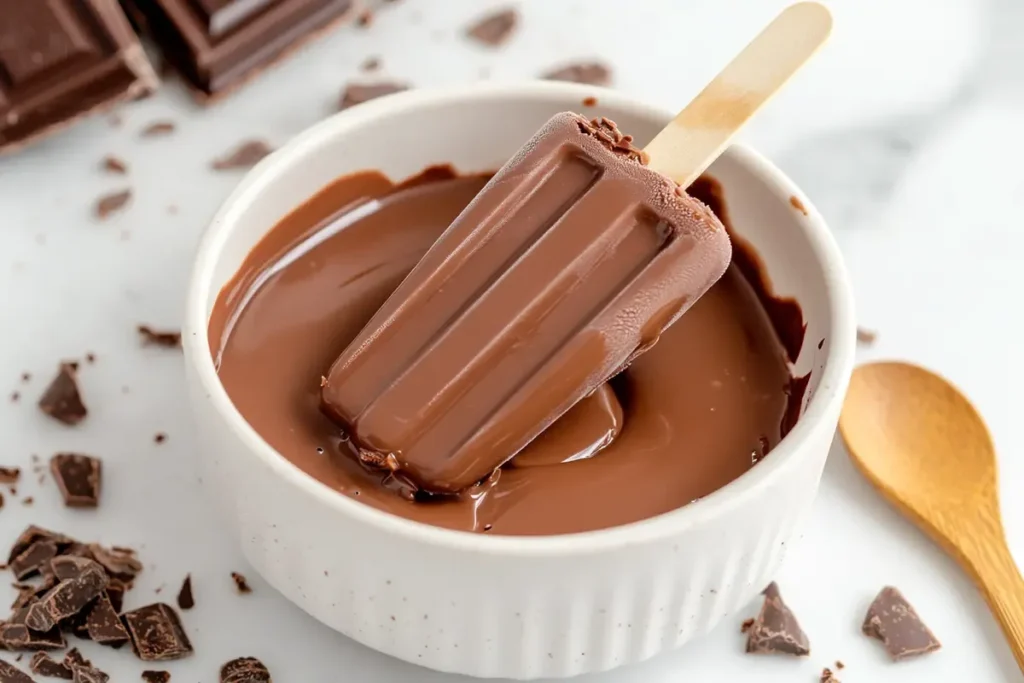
pixel 158 129
pixel 495 29
pixel 893 621
pixel 156 676
pixel 62 400
pixel 589 73
pixel 245 670
pixel 156 633
pixel 607 133
pixel 12 674
pixel 185 597
pixel 776 630
pixel 78 477
pixel 240 583
pixel 108 204
pixel 112 164
pixel 165 338
pixel 44 665
pixel 356 93
pixel 245 155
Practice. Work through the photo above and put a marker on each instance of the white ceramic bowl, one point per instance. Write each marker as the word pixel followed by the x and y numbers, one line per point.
pixel 520 607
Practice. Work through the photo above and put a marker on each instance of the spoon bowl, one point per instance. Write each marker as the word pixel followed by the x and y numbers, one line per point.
pixel 922 444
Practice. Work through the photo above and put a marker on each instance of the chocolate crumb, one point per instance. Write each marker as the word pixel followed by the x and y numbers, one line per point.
pixel 244 670
pixel 605 131
pixel 62 400
pixel 115 120
pixel 840 665
pixel 776 630
pixel 240 583
pixel 26 376
pixel 795 202
pixel 866 336
pixel 365 19
pixel 10 475
pixel 44 665
pixel 358 93
pixel 185 598
pixel 158 129
pixel 88 674
pixel 370 64
pixel 156 676
pixel 111 203
pixel 746 625
pixel 166 338
pixel 15 397
pixel 112 164
pixel 78 478
pixel 893 621
pixel 245 155
pixel 12 674
pixel 28 501
pixel 590 73
pixel 494 29
pixel 159 437
pixel 828 677
pixel 156 633
pixel 589 102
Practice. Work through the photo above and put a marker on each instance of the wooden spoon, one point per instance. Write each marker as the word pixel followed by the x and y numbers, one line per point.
pixel 925 448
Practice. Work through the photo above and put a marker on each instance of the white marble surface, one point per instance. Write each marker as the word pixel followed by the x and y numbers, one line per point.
pixel 906 132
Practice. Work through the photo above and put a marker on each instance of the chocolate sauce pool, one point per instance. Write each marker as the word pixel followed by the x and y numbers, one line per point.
pixel 692 414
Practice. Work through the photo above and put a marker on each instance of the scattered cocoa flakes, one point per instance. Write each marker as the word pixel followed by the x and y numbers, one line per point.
pixel 152 337
pixel 113 164
pixel 494 29
pixel 245 155
pixel 240 583
pixel 111 203
pixel 866 336
pixel 590 73
pixel 158 129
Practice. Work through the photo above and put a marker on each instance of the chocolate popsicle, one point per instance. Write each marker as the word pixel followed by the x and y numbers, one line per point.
pixel 568 265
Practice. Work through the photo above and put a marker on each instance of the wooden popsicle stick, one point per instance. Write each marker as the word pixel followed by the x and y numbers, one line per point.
pixel 699 133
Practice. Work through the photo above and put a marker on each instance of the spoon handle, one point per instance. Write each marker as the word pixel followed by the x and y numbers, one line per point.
pixel 990 563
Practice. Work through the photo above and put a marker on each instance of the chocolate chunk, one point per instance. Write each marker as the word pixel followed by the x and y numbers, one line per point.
pixel 43 665
pixel 240 583
pixel 158 129
pixel 74 658
pixel 156 633
pixel 828 677
pixel 185 598
pixel 10 475
pixel 590 73
pixel 245 670
pixel 33 534
pixel 12 674
pixel 88 674
pixel 245 155
pixel 62 400
pixel 110 203
pixel 159 437
pixel 156 676
pixel 866 336
pixel 152 337
pixel 112 164
pixel 78 477
pixel 62 59
pixel 120 563
pixel 219 44
pixel 72 566
pixel 16 635
pixel 357 93
pixel 67 598
pixel 33 559
pixel 103 624
pixel 893 621
pixel 746 625
pixel 115 592
pixel 494 29
pixel 776 630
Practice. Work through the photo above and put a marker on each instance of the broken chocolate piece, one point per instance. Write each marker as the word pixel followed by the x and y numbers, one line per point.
pixel 115 592
pixel 356 93
pixel 120 563
pixel 244 670
pixel 88 674
pixel 44 665
pixel 12 674
pixel 110 203
pixel 245 155
pixel 33 534
pixel 828 677
pixel 151 337
pixel 893 621
pixel 102 623
pixel 16 635
pixel 494 29
pixel 112 164
pixel 33 559
pixel 158 129
pixel 72 566
pixel 776 630
pixel 185 598
pixel 156 676
pixel 240 583
pixel 62 400
pixel 866 336
pixel 10 475
pixel 589 73
pixel 78 477
pixel 66 599
pixel 156 633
